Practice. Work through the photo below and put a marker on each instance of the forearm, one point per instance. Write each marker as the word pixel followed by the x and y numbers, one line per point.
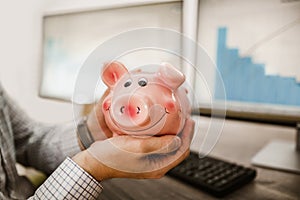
pixel 38 145
pixel 4 197
pixel 50 145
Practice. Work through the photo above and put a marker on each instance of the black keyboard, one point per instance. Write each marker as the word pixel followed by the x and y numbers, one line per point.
pixel 214 176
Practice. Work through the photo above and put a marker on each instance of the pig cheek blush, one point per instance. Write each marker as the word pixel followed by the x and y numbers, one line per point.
pixel 170 107
pixel 106 105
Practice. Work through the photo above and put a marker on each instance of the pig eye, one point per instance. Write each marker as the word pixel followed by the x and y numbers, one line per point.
pixel 143 82
pixel 127 83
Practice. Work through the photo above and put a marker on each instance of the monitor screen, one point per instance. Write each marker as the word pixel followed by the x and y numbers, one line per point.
pixel 69 38
pixel 256 48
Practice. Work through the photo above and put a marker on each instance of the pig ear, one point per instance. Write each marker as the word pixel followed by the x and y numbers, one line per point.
pixel 170 75
pixel 112 72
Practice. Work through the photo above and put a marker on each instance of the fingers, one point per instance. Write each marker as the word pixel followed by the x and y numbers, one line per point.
pixel 186 138
pixel 159 145
pixel 188 132
pixel 127 156
pixel 96 122
pixel 184 150
pixel 156 145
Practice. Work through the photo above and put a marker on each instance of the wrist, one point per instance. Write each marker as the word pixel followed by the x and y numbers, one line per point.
pixel 85 138
pixel 91 165
pixel 97 126
pixel 93 126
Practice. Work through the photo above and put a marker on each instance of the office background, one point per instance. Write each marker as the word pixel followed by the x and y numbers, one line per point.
pixel 22 45
pixel 21 53
pixel 21 68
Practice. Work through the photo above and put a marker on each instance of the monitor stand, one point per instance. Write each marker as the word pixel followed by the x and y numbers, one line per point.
pixel 280 155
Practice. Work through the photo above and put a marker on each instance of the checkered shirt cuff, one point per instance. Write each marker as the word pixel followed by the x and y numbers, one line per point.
pixel 69 181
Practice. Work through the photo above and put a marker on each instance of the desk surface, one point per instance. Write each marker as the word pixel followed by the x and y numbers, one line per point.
pixel 239 142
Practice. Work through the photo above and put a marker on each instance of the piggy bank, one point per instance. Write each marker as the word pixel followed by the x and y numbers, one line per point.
pixel 144 103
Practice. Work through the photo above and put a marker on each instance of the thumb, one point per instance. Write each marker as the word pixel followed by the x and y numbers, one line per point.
pixel 160 145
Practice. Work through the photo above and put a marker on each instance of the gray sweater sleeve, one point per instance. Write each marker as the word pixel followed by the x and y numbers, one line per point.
pixel 39 145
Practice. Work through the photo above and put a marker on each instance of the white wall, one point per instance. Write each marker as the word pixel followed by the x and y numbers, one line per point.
pixel 20 69
pixel 20 50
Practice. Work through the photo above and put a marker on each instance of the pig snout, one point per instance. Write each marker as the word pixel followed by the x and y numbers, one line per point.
pixel 130 111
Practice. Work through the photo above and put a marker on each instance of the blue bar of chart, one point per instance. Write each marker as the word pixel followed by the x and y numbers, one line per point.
pixel 247 81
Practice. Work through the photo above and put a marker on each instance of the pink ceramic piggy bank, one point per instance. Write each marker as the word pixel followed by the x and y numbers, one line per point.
pixel 145 103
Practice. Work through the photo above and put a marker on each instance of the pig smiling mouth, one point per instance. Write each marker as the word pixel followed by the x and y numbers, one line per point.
pixel 151 125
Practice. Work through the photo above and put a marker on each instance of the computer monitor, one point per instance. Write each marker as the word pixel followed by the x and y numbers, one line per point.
pixel 70 35
pixel 255 45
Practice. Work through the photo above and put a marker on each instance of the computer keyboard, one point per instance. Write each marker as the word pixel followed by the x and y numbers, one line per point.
pixel 216 177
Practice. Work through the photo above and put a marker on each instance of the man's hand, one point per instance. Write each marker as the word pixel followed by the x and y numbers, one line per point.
pixel 133 157
pixel 96 122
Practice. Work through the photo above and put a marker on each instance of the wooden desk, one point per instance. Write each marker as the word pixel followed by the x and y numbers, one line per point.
pixel 239 142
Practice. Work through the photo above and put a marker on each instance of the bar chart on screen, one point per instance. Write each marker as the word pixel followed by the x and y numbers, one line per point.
pixel 255 46
pixel 247 81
